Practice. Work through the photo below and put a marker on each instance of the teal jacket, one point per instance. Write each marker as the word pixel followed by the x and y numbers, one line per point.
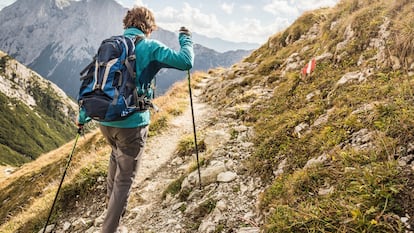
pixel 151 56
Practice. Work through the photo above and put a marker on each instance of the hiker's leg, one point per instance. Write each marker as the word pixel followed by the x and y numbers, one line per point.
pixel 111 175
pixel 130 146
pixel 108 133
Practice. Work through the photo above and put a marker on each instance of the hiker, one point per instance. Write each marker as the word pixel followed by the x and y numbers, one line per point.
pixel 127 137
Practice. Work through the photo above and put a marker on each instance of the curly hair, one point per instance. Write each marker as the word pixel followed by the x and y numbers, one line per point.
pixel 141 18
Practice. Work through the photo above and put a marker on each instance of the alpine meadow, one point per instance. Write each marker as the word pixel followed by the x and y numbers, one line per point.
pixel 311 132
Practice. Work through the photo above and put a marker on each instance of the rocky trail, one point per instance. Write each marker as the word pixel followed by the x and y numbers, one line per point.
pixel 226 202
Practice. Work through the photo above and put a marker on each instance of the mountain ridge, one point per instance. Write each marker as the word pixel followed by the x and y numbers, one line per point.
pixel 67 38
pixel 221 45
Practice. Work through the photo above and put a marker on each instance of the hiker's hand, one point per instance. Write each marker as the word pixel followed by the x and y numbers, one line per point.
pixel 78 124
pixel 80 127
pixel 184 30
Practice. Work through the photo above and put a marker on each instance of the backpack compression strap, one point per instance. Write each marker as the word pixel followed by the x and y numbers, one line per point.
pixel 132 57
pixel 130 68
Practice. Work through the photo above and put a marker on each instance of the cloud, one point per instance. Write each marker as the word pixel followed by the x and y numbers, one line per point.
pixel 167 14
pixel 254 30
pixel 247 29
pixel 195 17
pixel 281 8
pixel 228 8
pixel 290 8
pixel 313 4
pixel 247 7
pixel 170 18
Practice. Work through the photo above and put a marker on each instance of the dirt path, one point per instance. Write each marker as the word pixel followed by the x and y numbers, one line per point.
pixel 153 177
pixel 155 172
pixel 150 211
pixel 191 209
pixel 160 150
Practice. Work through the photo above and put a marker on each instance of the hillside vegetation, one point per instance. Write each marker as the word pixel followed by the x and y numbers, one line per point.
pixel 336 146
pixel 36 117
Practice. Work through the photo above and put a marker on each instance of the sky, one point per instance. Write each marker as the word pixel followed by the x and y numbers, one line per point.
pixel 233 20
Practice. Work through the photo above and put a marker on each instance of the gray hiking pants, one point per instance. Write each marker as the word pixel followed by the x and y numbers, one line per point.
pixel 127 148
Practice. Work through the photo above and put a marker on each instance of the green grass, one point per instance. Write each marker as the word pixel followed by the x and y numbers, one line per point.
pixel 186 146
pixel 362 201
pixel 26 135
pixel 175 188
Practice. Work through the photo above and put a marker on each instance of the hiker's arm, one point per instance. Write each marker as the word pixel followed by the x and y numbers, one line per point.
pixel 182 59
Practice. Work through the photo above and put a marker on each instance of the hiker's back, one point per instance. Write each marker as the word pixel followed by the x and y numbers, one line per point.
pixel 108 90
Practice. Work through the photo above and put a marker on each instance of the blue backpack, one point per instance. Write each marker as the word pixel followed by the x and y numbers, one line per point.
pixel 108 90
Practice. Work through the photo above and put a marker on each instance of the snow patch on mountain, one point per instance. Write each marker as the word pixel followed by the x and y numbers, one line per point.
pixel 62 3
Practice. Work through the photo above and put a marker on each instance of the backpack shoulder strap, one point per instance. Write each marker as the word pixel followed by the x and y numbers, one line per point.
pixel 131 56
pixel 137 39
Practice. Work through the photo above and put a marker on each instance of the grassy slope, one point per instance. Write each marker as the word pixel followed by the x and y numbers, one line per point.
pixel 368 185
pixel 369 190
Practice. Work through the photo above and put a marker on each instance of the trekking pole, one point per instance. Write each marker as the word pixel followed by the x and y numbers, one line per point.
pixel 155 86
pixel 194 127
pixel 63 177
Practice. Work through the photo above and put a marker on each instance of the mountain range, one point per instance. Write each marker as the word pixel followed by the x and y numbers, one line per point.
pixel 58 38
pixel 221 45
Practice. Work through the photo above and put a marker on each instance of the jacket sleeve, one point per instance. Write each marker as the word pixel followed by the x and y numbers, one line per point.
pixel 182 59
pixel 82 118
